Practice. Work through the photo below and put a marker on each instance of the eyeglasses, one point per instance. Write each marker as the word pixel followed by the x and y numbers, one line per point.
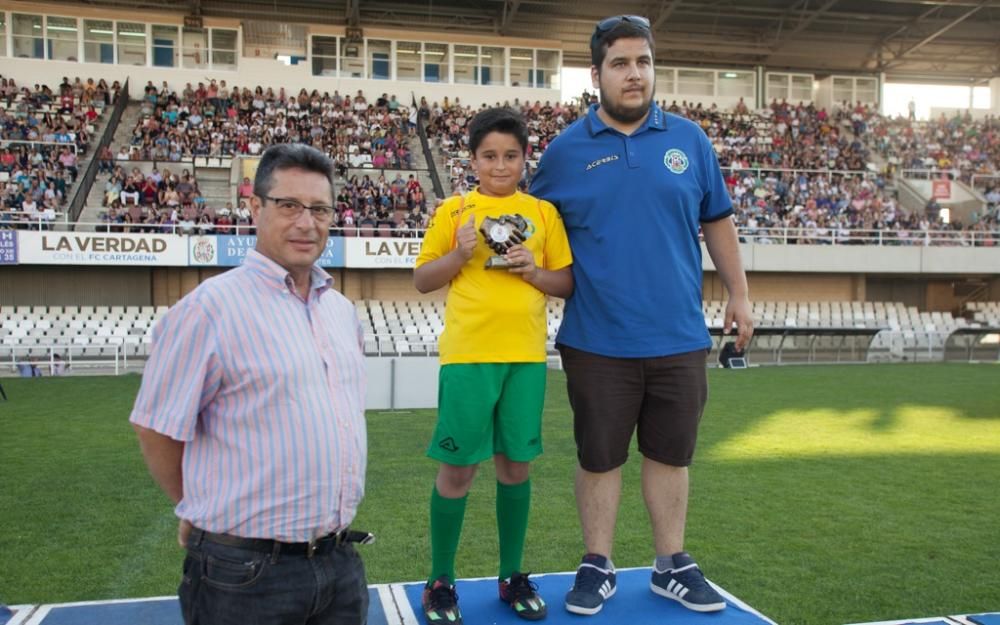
pixel 610 22
pixel 291 209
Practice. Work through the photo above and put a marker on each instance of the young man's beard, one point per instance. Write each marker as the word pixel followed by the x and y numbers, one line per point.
pixel 623 114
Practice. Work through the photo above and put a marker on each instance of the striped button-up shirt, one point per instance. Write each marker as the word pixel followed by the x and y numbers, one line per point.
pixel 267 391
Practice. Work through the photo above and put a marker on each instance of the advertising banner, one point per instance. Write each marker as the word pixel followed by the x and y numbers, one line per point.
pixel 101 248
pixel 230 250
pixel 941 189
pixel 381 253
pixel 8 247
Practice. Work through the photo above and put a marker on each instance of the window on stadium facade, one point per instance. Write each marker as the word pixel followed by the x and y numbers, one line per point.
pixel 3 33
pixel 26 36
pixel 379 59
pixel 665 82
pixel 696 82
pixel 843 90
pixel 324 56
pixel 466 64
pixel 802 88
pixel 131 43
pixel 194 48
pixel 408 60
pixel 62 37
pixel 352 63
pixel 777 87
pixel 98 41
pixel 547 69
pixel 166 46
pixel 223 41
pixel 436 62
pixel 866 90
pixel 522 67
pixel 491 65
pixel 736 84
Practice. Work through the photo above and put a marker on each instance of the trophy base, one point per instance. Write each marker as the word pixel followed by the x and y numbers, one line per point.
pixel 498 262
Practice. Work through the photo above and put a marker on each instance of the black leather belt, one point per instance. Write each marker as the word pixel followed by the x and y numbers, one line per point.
pixel 267 545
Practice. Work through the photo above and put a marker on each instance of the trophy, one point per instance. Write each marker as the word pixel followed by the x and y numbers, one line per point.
pixel 502 234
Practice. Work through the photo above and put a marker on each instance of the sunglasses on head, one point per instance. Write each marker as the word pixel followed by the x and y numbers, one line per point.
pixel 610 22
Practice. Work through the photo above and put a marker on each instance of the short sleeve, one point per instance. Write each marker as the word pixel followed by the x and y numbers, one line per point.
pixel 715 203
pixel 543 182
pixel 183 373
pixel 438 239
pixel 557 252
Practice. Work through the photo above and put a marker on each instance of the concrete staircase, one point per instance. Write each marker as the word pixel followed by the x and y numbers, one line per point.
pixel 94 206
pixel 216 187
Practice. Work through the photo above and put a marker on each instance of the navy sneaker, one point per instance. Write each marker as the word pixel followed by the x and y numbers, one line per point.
pixel 440 603
pixel 594 584
pixel 521 594
pixel 686 585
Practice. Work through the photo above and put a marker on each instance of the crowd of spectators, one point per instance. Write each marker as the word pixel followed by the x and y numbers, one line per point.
pixel 784 136
pixel 958 146
pixel 45 133
pixel 163 201
pixel 397 207
pixel 448 131
pixel 789 168
pixel 216 120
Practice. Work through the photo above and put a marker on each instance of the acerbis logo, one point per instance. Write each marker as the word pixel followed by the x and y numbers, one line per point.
pixel 675 160
pixel 602 161
pixel 448 444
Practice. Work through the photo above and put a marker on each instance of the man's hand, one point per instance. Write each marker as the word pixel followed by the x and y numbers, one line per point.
pixel 738 310
pixel 183 531
pixel 466 238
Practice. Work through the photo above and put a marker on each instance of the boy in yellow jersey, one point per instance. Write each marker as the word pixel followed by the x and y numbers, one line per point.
pixel 492 380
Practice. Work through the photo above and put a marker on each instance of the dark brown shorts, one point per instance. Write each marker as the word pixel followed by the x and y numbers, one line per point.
pixel 663 396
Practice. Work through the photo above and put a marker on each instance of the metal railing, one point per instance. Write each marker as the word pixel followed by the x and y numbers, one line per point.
pixel 87 177
pixel 829 173
pixel 59 144
pixel 118 360
pixel 762 235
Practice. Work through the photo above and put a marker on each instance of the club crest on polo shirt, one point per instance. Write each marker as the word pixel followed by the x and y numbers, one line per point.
pixel 675 160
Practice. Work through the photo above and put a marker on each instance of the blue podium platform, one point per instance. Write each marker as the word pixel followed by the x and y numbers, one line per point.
pixel 399 604
pixel 633 603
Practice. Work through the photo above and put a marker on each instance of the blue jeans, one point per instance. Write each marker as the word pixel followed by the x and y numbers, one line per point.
pixel 224 585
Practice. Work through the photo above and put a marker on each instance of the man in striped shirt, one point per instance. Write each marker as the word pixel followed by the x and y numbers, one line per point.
pixel 251 419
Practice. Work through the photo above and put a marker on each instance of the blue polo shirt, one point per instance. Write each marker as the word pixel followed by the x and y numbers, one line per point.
pixel 632 206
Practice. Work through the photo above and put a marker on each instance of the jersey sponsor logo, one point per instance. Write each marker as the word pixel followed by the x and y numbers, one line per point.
pixel 601 161
pixel 675 160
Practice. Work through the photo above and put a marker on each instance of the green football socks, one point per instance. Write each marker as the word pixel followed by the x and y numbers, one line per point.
pixel 447 516
pixel 513 506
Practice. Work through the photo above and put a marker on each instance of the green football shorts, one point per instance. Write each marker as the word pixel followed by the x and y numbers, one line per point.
pixel 489 408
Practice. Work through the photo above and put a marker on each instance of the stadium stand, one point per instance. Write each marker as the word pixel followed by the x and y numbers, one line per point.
pixel 796 174
pixel 45 136
pixel 957 146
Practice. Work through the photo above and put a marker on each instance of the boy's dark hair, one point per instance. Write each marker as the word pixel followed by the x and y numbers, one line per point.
pixel 602 40
pixel 499 119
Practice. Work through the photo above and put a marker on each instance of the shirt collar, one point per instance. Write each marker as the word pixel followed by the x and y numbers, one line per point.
pixel 656 120
pixel 279 277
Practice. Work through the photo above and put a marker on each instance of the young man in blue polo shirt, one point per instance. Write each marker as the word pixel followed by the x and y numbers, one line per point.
pixel 633 185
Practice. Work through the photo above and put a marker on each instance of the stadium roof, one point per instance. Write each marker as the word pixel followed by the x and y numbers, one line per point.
pixel 948 41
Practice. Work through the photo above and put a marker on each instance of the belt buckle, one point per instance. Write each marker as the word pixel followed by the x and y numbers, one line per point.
pixel 311 548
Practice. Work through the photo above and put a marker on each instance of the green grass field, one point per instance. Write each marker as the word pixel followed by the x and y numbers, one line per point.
pixel 820 495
